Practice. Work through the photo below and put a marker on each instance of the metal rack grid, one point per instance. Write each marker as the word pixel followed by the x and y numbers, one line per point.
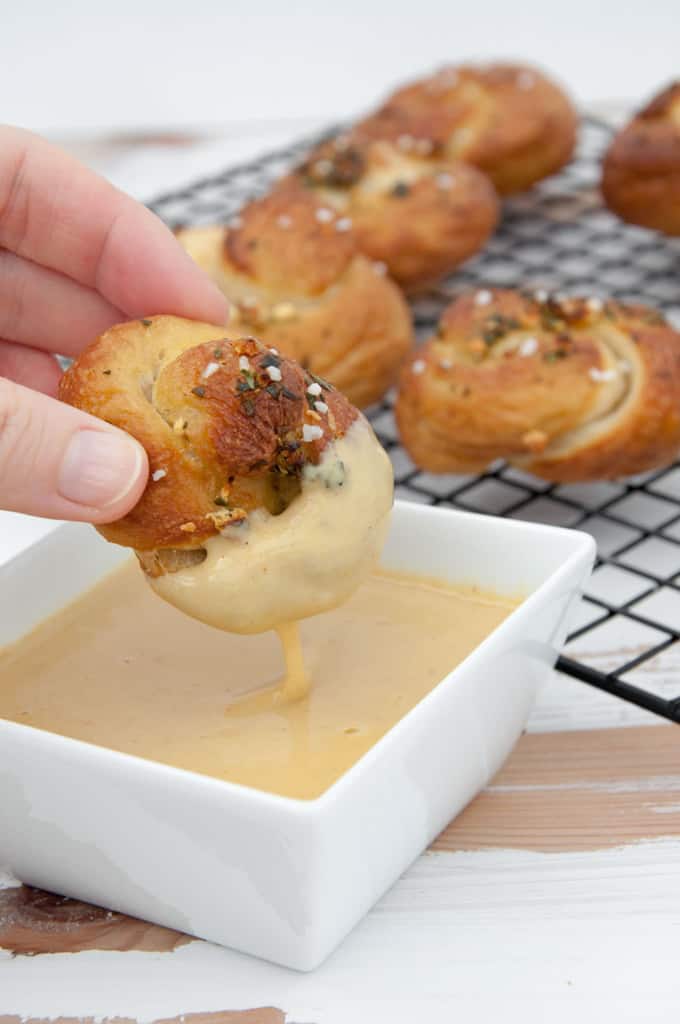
pixel 561 238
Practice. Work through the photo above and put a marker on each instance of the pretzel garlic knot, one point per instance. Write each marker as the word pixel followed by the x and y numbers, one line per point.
pixel 294 276
pixel 570 390
pixel 641 168
pixel 268 495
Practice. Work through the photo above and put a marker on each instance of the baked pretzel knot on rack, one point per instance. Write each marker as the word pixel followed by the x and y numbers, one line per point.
pixel 291 269
pixel 236 436
pixel 508 120
pixel 411 208
pixel 570 390
pixel 641 169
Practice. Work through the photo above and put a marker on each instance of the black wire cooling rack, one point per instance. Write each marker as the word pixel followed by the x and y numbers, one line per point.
pixel 558 237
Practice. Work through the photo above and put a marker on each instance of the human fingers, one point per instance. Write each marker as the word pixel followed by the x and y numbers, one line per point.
pixel 56 212
pixel 29 366
pixel 59 462
pixel 42 308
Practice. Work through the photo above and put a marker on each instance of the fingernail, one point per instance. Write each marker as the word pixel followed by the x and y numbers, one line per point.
pixel 98 469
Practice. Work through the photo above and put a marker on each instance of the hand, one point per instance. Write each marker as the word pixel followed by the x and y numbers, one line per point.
pixel 76 256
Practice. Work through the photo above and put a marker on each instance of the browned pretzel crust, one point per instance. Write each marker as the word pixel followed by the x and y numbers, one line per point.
pixel 418 213
pixel 508 120
pixel 228 426
pixel 291 268
pixel 569 390
pixel 641 169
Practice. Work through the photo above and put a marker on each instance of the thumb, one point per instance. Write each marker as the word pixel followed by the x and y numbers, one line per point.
pixel 59 462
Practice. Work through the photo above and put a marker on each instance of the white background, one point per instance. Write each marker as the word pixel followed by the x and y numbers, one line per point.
pixel 66 67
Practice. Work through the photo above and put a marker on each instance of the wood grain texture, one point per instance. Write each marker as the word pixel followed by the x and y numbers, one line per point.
pixel 577 791
pixel 33 921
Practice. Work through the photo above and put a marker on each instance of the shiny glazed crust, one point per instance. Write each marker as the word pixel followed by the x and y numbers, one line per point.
pixel 291 269
pixel 571 390
pixel 419 214
pixel 641 169
pixel 508 120
pixel 222 422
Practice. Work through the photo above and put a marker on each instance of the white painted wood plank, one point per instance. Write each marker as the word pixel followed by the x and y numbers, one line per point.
pixel 506 935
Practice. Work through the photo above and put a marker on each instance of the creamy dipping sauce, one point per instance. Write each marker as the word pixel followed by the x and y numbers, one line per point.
pixel 278 569
pixel 123 670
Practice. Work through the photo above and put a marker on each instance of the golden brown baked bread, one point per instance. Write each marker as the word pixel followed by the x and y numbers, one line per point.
pixel 578 389
pixel 507 119
pixel 292 272
pixel 228 426
pixel 417 212
pixel 641 168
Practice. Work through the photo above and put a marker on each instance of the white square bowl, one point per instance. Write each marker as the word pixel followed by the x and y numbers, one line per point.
pixel 280 878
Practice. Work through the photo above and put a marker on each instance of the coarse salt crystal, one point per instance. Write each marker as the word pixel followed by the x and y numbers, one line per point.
pixel 418 366
pixel 274 351
pixel 284 221
pixel 483 297
pixel 541 295
pixel 158 475
pixel 600 376
pixel 243 363
pixel 310 432
pixel 444 180
pixel 528 347
pixel 314 389
pixel 321 407
pixel 595 305
pixel 344 224
pixel 445 364
pixel 209 370
pixel 324 215
pixel 380 268
pixel 274 373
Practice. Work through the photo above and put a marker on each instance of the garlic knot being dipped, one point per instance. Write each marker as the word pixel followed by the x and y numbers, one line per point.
pixel 268 497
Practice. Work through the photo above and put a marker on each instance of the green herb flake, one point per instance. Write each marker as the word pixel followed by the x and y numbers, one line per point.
pixel 199 392
pixel 400 190
pixel 249 407
pixel 147 323
pixel 222 502
pixel 554 355
pixel 247 382
pixel 497 326
pixel 287 393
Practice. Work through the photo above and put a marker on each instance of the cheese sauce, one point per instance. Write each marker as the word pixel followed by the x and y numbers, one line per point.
pixel 311 557
pixel 123 670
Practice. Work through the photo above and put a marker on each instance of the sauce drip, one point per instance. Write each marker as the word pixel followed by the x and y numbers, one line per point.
pixel 294 684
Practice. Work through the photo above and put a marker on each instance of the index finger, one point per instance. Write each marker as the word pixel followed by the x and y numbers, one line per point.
pixel 56 212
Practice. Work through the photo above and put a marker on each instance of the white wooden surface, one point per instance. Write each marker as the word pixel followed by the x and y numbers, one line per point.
pixel 470 935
